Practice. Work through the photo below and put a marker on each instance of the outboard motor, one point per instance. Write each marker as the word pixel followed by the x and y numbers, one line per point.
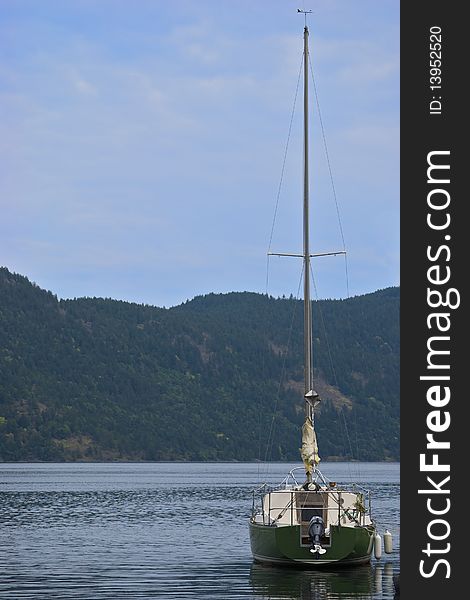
pixel 316 528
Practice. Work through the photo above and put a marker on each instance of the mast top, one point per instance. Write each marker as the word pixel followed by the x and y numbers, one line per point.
pixel 305 13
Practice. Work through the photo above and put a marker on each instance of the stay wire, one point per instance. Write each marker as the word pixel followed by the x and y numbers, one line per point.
pixel 333 370
pixel 270 439
pixel 278 195
pixel 330 171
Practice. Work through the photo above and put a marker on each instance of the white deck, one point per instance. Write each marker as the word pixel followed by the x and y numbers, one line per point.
pixel 287 507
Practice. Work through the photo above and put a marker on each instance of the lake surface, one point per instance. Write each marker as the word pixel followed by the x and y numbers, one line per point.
pixel 161 530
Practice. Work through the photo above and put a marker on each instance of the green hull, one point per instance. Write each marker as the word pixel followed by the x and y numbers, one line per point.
pixel 281 545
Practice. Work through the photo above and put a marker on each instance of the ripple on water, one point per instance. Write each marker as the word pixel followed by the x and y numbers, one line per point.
pixel 170 531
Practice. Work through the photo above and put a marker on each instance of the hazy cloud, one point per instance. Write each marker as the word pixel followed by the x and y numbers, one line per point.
pixel 144 146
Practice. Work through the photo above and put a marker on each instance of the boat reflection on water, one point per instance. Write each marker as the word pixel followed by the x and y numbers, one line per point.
pixel 361 583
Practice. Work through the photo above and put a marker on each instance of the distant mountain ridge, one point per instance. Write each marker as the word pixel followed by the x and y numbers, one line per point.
pixel 101 379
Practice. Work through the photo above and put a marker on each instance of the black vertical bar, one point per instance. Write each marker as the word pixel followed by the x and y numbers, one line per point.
pixel 433 235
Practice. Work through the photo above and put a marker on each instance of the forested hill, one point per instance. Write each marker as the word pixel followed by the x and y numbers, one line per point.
pixel 100 379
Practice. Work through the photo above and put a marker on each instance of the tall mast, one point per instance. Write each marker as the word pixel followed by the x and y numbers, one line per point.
pixel 309 450
pixel 307 304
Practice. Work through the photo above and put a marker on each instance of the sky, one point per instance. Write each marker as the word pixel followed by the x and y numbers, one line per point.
pixel 142 146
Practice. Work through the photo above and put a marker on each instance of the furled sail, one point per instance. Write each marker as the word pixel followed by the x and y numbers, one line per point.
pixel 309 450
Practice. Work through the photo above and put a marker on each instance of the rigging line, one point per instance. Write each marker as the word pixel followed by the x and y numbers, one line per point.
pixel 282 172
pixel 283 369
pixel 259 445
pixel 278 195
pixel 357 444
pixel 328 348
pixel 327 154
pixel 270 440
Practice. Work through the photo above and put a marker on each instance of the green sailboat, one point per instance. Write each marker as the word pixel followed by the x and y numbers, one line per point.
pixel 312 522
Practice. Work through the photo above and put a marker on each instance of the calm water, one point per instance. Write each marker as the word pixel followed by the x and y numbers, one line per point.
pixel 170 531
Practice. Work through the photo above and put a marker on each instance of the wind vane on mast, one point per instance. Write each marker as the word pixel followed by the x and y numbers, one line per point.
pixel 305 13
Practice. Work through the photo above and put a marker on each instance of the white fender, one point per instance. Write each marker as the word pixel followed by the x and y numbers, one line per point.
pixel 377 546
pixel 388 542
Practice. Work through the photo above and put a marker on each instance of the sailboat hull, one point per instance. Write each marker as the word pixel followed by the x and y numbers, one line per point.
pixel 281 545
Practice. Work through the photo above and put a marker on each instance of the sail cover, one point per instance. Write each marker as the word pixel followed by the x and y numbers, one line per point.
pixel 309 450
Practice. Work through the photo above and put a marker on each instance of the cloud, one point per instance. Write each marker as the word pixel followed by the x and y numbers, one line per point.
pixel 155 138
pixel 82 86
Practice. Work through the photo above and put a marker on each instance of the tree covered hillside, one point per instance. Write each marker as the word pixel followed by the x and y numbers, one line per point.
pixel 219 377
